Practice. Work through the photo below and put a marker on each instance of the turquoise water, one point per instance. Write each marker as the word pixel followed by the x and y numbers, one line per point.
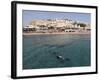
pixel 41 51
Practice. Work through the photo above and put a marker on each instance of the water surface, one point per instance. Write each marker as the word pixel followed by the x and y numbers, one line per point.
pixel 41 51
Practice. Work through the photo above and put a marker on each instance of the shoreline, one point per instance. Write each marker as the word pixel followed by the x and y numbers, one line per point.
pixel 57 33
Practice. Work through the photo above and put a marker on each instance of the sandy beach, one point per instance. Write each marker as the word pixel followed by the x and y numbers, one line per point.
pixel 56 33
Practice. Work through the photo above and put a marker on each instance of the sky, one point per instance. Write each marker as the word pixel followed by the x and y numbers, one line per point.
pixel 29 15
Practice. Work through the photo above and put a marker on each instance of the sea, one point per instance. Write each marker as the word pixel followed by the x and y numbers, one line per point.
pixel 56 51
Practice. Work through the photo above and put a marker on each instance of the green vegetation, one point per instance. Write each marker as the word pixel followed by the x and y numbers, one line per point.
pixel 82 25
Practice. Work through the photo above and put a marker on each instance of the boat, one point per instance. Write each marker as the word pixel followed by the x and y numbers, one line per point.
pixel 60 57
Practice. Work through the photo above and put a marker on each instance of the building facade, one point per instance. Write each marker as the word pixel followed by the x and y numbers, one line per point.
pixel 55 25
